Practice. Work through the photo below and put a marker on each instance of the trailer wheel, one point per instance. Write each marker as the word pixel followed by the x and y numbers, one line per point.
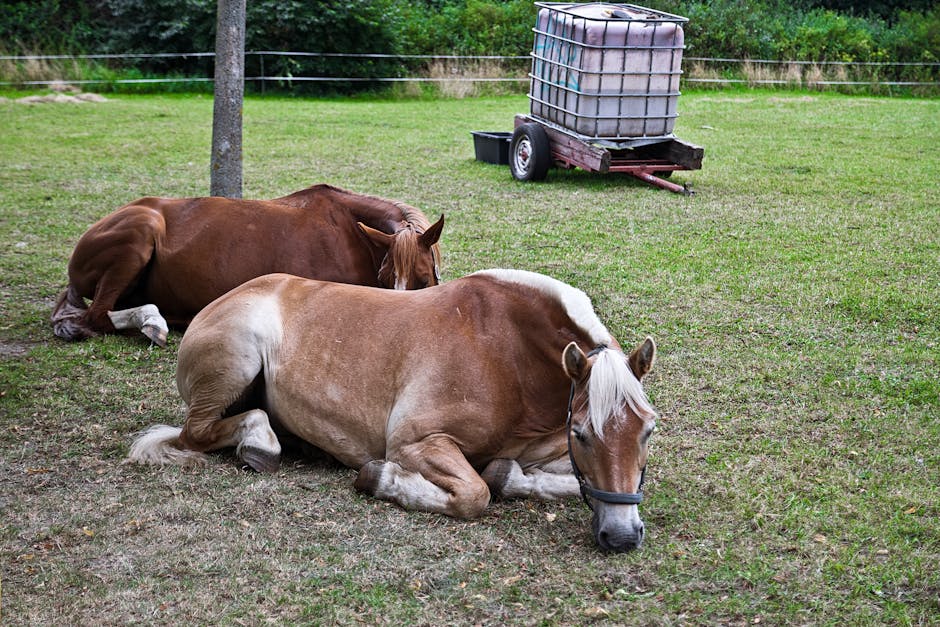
pixel 530 155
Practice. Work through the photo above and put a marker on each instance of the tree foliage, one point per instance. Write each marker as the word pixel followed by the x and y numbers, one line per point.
pixel 815 30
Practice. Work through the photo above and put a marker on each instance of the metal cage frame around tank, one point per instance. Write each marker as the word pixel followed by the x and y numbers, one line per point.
pixel 563 56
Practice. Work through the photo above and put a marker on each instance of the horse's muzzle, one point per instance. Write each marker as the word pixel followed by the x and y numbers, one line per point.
pixel 617 533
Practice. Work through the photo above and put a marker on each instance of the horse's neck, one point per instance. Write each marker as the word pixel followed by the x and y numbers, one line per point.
pixel 379 214
pixel 374 212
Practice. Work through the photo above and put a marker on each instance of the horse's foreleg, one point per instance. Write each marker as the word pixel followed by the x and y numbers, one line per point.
pixel 431 475
pixel 506 479
pixel 146 318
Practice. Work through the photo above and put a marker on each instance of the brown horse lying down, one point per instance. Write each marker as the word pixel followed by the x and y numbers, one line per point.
pixel 160 260
pixel 440 397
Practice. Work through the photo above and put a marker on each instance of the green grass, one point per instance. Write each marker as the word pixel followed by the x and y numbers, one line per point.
pixel 795 301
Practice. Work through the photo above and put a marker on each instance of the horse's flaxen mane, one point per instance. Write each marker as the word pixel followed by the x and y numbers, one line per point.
pixel 612 384
pixel 411 216
pixel 575 302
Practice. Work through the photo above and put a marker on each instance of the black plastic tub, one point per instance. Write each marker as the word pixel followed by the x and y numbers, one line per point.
pixel 491 146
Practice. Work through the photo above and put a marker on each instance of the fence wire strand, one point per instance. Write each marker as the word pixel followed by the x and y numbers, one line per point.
pixel 700 74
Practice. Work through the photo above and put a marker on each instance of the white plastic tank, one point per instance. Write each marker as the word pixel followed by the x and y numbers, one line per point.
pixel 607 71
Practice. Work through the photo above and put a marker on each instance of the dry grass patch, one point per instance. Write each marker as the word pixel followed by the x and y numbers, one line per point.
pixel 455 78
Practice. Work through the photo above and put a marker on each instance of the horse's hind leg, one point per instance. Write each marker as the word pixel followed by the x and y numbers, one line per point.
pixel 146 318
pixel 431 475
pixel 250 432
pixel 67 317
pixel 107 266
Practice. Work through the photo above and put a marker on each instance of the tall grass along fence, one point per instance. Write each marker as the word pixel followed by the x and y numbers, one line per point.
pixel 458 75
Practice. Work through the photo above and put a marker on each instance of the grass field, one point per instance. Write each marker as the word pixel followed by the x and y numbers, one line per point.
pixel 795 300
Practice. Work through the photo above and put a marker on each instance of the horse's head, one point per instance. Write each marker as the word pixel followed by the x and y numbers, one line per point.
pixel 412 257
pixel 610 423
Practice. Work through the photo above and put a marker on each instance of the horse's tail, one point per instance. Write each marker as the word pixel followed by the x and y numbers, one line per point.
pixel 159 445
pixel 68 316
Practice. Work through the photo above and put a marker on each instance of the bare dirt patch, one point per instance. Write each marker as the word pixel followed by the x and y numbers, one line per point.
pixel 12 348
pixel 57 98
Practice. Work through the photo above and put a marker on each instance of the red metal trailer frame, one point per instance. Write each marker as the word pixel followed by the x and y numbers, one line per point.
pixel 647 160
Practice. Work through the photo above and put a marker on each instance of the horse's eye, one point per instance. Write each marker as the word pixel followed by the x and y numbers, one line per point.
pixel 578 433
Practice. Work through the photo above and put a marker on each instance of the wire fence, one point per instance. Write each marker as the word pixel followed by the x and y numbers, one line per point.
pixel 285 69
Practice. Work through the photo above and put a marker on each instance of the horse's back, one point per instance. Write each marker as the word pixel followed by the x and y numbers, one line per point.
pixel 477 310
pixel 207 246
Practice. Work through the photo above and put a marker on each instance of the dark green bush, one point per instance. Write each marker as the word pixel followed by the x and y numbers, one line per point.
pixel 47 26
pixel 731 27
pixel 336 26
pixel 480 27
pixel 915 37
pixel 824 35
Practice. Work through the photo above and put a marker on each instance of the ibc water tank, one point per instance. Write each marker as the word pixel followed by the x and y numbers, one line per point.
pixel 606 71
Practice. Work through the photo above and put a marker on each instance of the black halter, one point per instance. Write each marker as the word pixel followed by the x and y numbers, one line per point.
pixel 616 498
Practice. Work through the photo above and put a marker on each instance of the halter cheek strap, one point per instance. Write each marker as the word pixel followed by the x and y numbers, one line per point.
pixel 615 498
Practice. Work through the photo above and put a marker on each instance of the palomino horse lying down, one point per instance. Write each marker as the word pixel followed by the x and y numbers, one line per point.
pixel 160 260
pixel 439 397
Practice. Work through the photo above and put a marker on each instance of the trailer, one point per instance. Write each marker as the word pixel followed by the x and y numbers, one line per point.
pixel 535 146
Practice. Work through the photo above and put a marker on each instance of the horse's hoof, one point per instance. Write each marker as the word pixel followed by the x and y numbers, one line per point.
pixel 496 475
pixel 259 460
pixel 156 334
pixel 369 476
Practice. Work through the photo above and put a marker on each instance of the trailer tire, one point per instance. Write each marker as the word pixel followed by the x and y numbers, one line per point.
pixel 530 154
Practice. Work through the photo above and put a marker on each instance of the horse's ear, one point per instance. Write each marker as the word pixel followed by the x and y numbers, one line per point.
pixel 377 237
pixel 430 237
pixel 643 357
pixel 574 361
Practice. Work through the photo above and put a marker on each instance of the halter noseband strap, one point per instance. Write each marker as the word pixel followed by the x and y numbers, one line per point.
pixel 615 498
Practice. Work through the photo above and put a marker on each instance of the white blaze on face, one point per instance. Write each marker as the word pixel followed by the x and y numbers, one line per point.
pixel 629 515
